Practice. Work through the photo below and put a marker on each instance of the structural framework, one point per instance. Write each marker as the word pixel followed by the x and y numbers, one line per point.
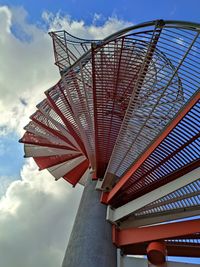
pixel 126 113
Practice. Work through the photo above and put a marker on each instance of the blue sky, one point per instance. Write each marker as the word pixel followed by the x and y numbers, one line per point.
pixel 130 10
pixel 27 54
pixel 10 148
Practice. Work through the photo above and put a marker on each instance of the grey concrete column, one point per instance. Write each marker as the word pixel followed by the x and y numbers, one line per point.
pixel 90 243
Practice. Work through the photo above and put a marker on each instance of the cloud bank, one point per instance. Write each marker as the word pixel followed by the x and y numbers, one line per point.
pixel 36 213
pixel 27 62
pixel 36 217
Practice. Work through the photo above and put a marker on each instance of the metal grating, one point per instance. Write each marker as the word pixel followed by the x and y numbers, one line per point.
pixel 116 68
pixel 78 89
pixel 68 48
pixel 192 240
pixel 176 80
pixel 60 103
pixel 177 151
pixel 52 138
pixel 184 198
pixel 30 138
pixel 114 101
pixel 52 117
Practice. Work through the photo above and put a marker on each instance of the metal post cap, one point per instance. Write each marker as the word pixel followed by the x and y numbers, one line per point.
pixel 156 253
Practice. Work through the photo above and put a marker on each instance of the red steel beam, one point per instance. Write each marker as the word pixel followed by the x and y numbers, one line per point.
pixel 150 150
pixel 30 138
pixel 49 161
pixel 132 236
pixel 76 173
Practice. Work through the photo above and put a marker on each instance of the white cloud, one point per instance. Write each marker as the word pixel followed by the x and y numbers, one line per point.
pixel 36 213
pixel 80 29
pixel 26 69
pixel 26 63
pixel 4 183
pixel 5 19
pixel 36 216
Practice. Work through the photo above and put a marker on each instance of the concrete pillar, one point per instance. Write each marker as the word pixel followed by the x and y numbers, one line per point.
pixel 90 243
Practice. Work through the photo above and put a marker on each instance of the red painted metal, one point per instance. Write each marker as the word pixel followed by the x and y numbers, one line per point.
pixel 111 98
pixel 79 92
pixel 108 111
pixel 123 237
pixel 75 174
pixel 30 138
pixel 94 176
pixel 64 110
pixel 46 162
pixel 103 198
pixel 156 253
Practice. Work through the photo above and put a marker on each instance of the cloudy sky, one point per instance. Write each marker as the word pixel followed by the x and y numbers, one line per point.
pixel 37 213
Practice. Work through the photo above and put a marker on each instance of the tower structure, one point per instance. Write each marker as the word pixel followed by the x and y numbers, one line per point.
pixel 124 122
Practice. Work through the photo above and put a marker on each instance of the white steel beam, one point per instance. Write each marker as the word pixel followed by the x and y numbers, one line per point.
pixel 99 185
pixel 45 151
pixel 114 215
pixel 63 168
pixel 177 214
pixel 83 179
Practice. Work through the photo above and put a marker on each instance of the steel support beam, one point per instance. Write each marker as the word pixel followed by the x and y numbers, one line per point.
pixel 114 215
pixel 90 242
pixel 124 237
